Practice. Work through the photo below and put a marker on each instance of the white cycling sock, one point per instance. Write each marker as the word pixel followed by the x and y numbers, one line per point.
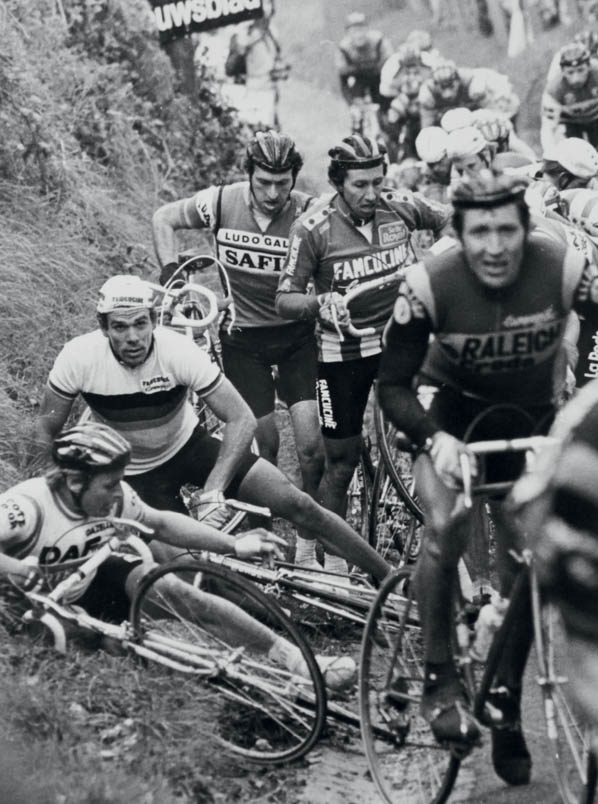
pixel 335 564
pixel 287 655
pixel 305 552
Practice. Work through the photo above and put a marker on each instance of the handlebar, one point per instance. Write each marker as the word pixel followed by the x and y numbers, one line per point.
pixel 354 293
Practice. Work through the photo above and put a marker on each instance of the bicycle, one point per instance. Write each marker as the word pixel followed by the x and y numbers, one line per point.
pixel 266 713
pixel 416 769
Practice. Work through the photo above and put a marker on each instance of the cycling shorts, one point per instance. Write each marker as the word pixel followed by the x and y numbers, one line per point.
pixel 105 597
pixel 160 487
pixel 248 357
pixel 462 416
pixel 343 390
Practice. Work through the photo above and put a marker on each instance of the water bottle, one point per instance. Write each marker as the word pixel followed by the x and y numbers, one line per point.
pixel 489 621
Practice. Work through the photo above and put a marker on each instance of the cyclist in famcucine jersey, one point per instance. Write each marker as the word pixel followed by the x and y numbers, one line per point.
pixel 361 233
pixel 251 221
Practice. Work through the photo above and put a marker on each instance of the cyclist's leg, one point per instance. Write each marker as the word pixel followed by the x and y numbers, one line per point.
pixel 264 484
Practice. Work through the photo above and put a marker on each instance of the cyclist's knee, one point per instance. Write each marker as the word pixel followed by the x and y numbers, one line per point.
pixel 267 437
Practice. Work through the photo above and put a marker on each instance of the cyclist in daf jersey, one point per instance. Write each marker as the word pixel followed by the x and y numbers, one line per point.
pixel 61 518
pixel 360 233
pixel 497 304
pixel 136 377
pixel 251 221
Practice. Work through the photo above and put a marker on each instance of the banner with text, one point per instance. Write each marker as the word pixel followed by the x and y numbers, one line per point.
pixel 178 18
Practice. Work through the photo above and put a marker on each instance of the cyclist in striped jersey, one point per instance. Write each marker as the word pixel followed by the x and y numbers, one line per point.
pixel 360 233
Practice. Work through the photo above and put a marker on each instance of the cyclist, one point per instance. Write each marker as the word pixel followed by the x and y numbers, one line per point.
pixel 468 152
pixel 61 518
pixel 136 378
pixel 359 59
pixel 497 303
pixel 251 221
pixel 422 40
pixel 400 81
pixel 570 99
pixel 497 129
pixel 361 232
pixel 448 88
pixel 572 163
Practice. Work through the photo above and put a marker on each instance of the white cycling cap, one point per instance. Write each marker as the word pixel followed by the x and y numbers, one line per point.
pixel 465 142
pixel 430 144
pixel 460 117
pixel 577 156
pixel 124 292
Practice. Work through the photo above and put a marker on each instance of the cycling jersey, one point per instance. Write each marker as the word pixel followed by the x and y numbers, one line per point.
pixel 148 404
pixel 252 254
pixel 577 106
pixel 359 59
pixel 35 522
pixel 329 248
pixel 433 105
pixel 498 346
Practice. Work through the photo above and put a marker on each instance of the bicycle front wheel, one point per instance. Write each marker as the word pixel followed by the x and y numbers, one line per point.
pixel 407 764
pixel 568 736
pixel 182 617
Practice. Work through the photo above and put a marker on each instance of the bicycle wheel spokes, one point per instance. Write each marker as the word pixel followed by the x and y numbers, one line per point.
pixel 569 738
pixel 407 764
pixel 394 531
pixel 193 617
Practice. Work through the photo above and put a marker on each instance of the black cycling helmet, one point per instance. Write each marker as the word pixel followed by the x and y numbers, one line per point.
pixel 488 188
pixel 355 152
pixel 91 447
pixel 272 151
pixel 445 74
pixel 574 54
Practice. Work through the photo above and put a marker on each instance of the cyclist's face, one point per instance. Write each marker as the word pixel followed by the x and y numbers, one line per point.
pixel 101 493
pixel 468 166
pixel 271 190
pixel 576 76
pixel 493 242
pixel 358 34
pixel 130 336
pixel 361 190
pixel 450 91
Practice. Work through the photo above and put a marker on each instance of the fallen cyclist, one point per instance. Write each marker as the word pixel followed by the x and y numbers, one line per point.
pixel 497 303
pixel 63 516
pixel 136 377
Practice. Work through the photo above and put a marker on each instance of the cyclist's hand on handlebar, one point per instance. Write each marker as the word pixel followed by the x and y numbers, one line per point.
pixel 260 542
pixel 333 309
pixel 445 451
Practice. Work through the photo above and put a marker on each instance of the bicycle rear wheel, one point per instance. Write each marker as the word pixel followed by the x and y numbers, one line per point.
pixel 407 764
pixel 393 531
pixel 265 713
pixel 568 736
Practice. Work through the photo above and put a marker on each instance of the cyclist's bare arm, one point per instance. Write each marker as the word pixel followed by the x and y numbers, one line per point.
pixel 189 534
pixel 167 219
pixel 53 413
pixel 239 428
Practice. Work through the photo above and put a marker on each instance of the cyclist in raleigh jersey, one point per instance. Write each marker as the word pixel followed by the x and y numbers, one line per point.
pixel 497 304
pixel 251 222
pixel 136 378
pixel 61 518
pixel 360 233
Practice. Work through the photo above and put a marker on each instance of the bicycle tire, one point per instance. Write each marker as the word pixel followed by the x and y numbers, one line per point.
pixel 413 769
pixel 567 735
pixel 393 531
pixel 398 463
pixel 266 714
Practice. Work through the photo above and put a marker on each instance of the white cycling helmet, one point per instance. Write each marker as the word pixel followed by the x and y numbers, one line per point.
pixel 461 117
pixel 124 292
pixel 577 156
pixel 582 209
pixel 464 142
pixel 430 144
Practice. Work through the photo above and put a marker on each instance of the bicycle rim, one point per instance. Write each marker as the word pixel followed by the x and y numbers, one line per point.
pixel 265 713
pixel 393 531
pixel 359 495
pixel 407 765
pixel 567 735
pixel 399 464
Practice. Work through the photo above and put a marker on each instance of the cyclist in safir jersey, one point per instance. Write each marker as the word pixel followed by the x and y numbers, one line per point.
pixel 570 99
pixel 360 233
pixel 61 518
pixel 251 222
pixel 497 304
pixel 136 377
pixel 359 59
